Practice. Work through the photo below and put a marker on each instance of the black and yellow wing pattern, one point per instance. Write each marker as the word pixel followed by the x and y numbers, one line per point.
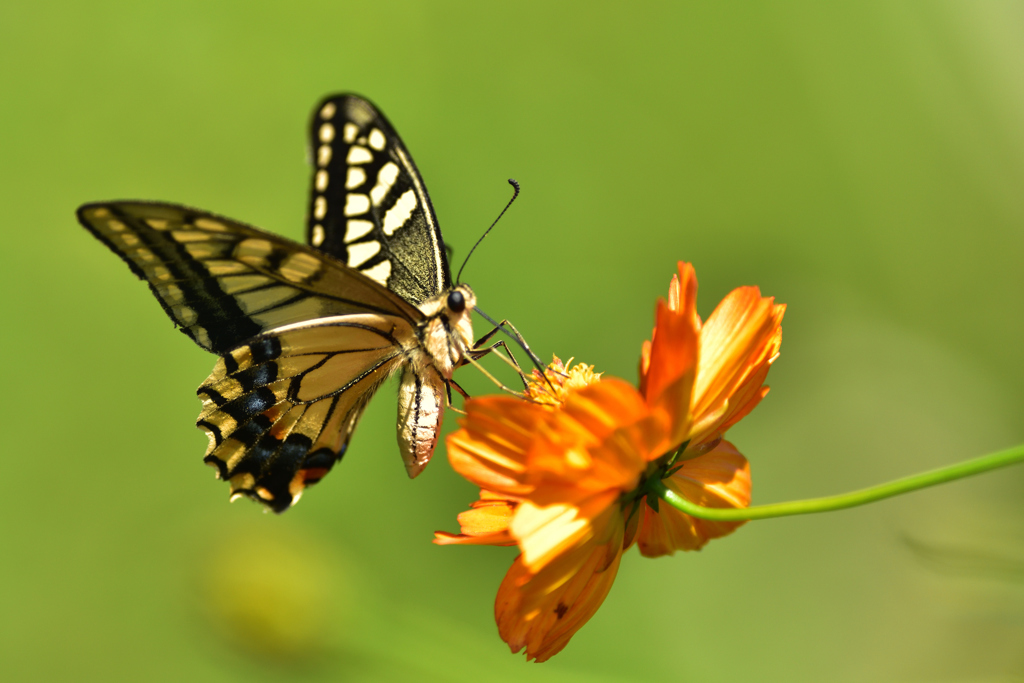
pixel 304 339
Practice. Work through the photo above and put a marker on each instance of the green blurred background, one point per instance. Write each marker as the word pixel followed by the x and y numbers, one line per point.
pixel 862 162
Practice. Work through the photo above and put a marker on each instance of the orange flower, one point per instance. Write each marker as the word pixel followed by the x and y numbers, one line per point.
pixel 552 477
pixel 563 475
pixel 716 373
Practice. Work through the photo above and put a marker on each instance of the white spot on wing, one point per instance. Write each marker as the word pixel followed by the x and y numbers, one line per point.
pixel 362 252
pixel 385 179
pixel 319 208
pixel 379 272
pixel 356 228
pixel 323 155
pixel 356 204
pixel 318 235
pixel 398 214
pixel 356 177
pixel 358 155
pixel 349 132
pixel 377 140
pixel 328 110
pixel 321 180
pixel 326 132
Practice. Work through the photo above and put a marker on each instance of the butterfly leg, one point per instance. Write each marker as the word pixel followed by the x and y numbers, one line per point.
pixel 448 387
pixel 521 341
pixel 487 337
pixel 453 383
pixel 479 351
pixel 471 356
pixel 514 333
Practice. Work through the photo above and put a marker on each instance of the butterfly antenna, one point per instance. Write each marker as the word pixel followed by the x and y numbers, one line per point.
pixel 514 184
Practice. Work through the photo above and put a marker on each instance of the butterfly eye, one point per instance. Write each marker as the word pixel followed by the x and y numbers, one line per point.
pixel 456 302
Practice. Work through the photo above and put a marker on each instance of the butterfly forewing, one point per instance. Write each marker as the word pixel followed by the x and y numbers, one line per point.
pixel 368 205
pixel 224 282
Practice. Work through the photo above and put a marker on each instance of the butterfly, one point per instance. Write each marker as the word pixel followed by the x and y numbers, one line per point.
pixel 306 334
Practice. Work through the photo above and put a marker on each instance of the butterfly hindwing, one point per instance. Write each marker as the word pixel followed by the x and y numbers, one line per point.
pixel 279 410
pixel 368 205
pixel 224 282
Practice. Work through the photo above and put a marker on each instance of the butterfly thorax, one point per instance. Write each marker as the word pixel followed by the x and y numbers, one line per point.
pixel 446 331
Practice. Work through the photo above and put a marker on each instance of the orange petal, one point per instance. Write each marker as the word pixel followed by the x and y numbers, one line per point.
pixel 686 270
pixel 545 627
pixel 485 523
pixel 568 564
pixel 737 344
pixel 599 440
pixel 549 532
pixel 603 407
pixel 490 449
pixel 720 479
pixel 645 362
pixel 672 361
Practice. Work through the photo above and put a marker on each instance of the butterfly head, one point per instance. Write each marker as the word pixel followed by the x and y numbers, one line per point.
pixel 446 331
pixel 458 305
pixel 456 301
pixel 454 304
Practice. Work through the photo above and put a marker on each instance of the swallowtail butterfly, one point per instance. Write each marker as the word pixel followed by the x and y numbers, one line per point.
pixel 306 334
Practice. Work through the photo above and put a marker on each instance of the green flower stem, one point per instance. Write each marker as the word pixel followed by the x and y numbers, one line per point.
pixel 844 500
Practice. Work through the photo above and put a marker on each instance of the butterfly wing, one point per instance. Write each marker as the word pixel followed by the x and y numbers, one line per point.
pixel 368 205
pixel 279 411
pixel 304 340
pixel 224 282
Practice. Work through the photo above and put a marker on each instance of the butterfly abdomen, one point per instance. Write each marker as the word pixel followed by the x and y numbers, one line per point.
pixel 421 399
